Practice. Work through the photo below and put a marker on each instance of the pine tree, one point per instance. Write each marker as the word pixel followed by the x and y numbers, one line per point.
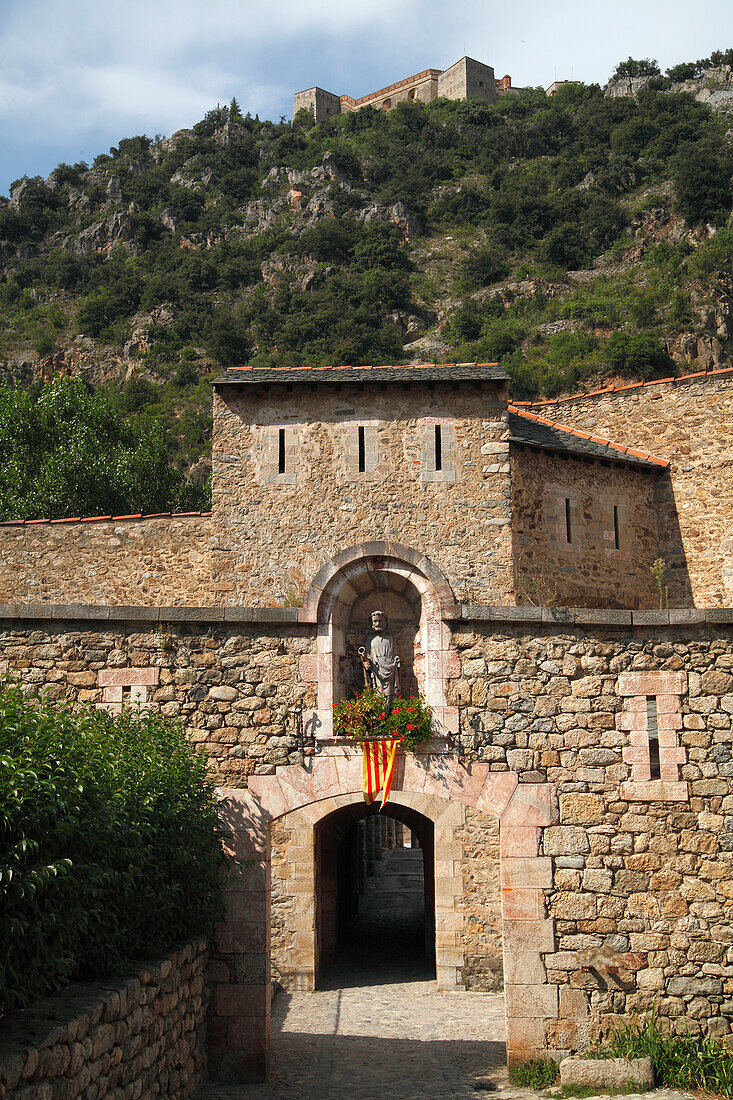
pixel 235 114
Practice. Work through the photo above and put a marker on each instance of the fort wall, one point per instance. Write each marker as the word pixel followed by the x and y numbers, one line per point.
pixel 459 515
pixel 630 877
pixel 690 422
pixel 585 533
pixel 140 1036
pixel 121 560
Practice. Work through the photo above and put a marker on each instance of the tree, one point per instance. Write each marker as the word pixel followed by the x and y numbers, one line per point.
pixel 66 451
pixel 701 172
pixel 631 68
pixel 235 114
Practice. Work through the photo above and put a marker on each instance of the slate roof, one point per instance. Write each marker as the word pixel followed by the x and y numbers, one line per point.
pixel 424 372
pixel 538 431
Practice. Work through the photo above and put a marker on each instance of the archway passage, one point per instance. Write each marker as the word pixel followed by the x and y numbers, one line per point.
pixel 375 890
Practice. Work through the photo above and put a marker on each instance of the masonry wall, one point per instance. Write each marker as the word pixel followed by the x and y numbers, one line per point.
pixel 690 422
pixel 590 570
pixel 635 871
pixel 480 902
pixel 133 561
pixel 468 79
pixel 274 531
pixel 142 1036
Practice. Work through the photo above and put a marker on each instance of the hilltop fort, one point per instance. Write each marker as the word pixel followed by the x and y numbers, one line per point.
pixel 466 79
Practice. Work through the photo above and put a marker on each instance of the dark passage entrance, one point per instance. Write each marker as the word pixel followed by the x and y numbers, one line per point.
pixel 375 912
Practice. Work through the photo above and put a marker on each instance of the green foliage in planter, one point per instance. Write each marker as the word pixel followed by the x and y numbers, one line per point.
pixel 537 1073
pixel 364 717
pixel 680 1061
pixel 109 843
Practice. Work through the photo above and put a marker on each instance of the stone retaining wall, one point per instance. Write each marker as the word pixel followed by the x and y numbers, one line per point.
pixel 140 1037
pixel 148 559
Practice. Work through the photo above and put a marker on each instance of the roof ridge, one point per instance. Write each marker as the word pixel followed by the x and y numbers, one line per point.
pixel 367 366
pixel 635 452
pixel 672 380
pixel 101 519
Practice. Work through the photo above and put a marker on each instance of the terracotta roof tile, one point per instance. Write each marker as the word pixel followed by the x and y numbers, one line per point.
pixel 538 431
pixel 671 381
pixel 101 519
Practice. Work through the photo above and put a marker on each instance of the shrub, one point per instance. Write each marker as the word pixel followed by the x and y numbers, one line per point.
pixel 109 842
pixel 537 1073
pixel 680 1062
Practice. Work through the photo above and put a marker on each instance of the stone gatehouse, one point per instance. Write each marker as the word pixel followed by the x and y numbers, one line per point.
pixel 574 809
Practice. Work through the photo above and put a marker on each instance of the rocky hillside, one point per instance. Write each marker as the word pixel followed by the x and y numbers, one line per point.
pixel 573 238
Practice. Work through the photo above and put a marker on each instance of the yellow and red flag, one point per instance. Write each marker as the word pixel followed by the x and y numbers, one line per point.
pixel 379 760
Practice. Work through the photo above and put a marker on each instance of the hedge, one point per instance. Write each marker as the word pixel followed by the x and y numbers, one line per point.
pixel 109 843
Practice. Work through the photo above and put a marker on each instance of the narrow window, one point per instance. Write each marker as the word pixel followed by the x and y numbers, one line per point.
pixel 653 733
pixel 362 451
pixel 438 448
pixel 281 450
pixel 568 528
pixel 616 535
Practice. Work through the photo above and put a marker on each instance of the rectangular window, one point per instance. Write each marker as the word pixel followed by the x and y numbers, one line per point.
pixel 653 732
pixel 362 451
pixel 568 528
pixel 281 450
pixel 616 534
pixel 438 448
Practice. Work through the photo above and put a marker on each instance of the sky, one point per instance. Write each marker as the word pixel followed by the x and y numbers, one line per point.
pixel 78 75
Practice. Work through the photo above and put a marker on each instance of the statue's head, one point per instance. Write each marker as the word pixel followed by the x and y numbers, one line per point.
pixel 379 621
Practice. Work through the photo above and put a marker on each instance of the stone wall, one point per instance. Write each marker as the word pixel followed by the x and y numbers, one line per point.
pixel 589 570
pixel 126 559
pixel 231 686
pixel 468 79
pixel 143 1036
pixel 480 902
pixel 690 422
pixel 459 516
pixel 634 871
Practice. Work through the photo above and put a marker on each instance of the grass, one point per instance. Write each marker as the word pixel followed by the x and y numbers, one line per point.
pixel 537 1073
pixel 680 1062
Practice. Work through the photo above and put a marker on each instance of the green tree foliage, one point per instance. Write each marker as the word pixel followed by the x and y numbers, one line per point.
pixel 702 173
pixel 627 70
pixel 65 451
pixel 109 843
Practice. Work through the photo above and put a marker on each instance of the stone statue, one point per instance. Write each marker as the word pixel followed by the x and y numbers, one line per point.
pixel 381 664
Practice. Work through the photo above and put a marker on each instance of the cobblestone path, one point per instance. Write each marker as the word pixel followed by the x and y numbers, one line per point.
pixel 393 1041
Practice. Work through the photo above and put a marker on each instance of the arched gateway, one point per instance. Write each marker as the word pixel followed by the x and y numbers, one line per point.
pixel 434 783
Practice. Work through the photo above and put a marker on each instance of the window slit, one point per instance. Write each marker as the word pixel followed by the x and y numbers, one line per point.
pixel 653 734
pixel 362 451
pixel 616 534
pixel 568 528
pixel 438 448
pixel 281 450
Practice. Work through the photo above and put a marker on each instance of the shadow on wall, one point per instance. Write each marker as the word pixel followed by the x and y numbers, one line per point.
pixel 671 546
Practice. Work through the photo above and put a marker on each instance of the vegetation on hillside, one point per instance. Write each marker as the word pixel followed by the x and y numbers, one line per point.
pixel 571 237
pixel 109 843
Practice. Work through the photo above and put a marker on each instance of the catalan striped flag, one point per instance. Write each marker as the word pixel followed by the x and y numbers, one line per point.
pixel 379 760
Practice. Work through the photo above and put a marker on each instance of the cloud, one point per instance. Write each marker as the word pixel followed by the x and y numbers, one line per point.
pixel 80 74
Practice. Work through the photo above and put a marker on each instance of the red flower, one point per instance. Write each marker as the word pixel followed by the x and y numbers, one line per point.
pixel 395 732
pixel 410 710
pixel 395 712
pixel 410 727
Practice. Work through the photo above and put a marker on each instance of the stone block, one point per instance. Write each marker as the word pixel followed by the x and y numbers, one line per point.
pixel 523 968
pixel 126 677
pixel 521 936
pixel 585 809
pixel 526 873
pixel 531 1001
pixel 607 1073
pixel 652 683
pixel 521 905
pixel 518 840
pixel 654 790
pixel 563 840
pixel 525 1038
pixel 531 804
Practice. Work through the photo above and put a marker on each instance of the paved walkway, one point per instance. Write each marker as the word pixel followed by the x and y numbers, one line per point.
pixel 392 1041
